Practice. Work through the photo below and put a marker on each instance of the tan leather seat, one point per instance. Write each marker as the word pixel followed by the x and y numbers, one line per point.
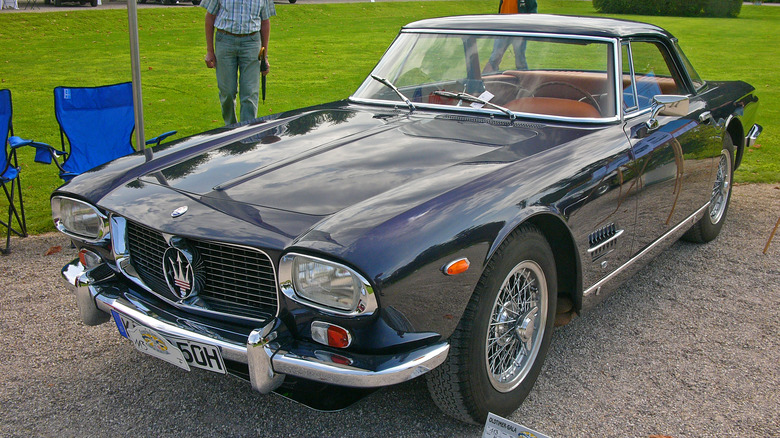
pixel 553 106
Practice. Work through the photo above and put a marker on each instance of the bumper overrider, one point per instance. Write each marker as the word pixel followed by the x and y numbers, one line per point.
pixel 268 351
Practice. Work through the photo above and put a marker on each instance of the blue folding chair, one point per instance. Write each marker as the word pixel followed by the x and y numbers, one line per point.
pixel 9 172
pixel 98 123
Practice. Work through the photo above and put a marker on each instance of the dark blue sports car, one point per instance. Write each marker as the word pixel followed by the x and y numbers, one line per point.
pixel 491 175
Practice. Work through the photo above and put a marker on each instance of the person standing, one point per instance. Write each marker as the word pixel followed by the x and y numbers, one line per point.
pixel 518 44
pixel 242 28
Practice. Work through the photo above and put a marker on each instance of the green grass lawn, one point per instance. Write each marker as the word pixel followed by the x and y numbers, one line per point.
pixel 318 53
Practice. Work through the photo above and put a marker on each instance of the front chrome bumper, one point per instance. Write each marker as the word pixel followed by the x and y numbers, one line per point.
pixel 268 357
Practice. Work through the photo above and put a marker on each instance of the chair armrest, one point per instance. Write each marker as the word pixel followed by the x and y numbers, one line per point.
pixel 156 140
pixel 17 142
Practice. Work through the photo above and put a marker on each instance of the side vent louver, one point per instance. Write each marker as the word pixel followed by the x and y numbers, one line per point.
pixel 603 241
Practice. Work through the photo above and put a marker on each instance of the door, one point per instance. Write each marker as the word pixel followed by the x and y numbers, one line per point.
pixel 674 159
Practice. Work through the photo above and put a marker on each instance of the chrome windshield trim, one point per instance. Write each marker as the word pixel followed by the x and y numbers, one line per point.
pixel 488 112
pixel 614 42
pixel 122 257
pixel 562 36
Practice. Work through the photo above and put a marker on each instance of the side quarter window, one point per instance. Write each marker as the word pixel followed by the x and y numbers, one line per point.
pixel 650 72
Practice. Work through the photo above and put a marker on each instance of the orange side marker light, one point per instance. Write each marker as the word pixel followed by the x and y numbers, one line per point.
pixel 457 266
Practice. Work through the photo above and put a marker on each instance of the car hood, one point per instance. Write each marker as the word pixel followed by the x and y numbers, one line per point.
pixel 322 161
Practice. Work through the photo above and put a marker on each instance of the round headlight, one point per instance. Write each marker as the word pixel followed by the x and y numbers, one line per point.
pixel 325 284
pixel 78 219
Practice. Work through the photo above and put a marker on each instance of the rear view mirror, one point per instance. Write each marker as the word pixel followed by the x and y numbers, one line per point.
pixel 673 104
pixel 667 105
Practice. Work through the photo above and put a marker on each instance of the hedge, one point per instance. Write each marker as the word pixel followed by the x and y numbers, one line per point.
pixel 679 8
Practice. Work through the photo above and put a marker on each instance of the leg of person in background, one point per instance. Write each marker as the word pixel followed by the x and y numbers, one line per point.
pixel 518 45
pixel 499 47
pixel 249 77
pixel 226 51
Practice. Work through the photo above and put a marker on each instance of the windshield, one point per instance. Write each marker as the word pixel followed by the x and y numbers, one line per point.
pixel 540 76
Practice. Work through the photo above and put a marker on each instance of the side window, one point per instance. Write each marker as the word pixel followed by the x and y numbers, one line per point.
pixel 698 83
pixel 653 74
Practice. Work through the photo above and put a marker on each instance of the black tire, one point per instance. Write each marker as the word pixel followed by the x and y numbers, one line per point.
pixel 93 3
pixel 466 386
pixel 708 227
pixel 195 2
pixel 293 1
pixel 58 3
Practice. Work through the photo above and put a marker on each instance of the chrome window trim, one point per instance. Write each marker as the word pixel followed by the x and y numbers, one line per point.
pixel 104 226
pixel 632 77
pixel 122 257
pixel 287 288
pixel 635 111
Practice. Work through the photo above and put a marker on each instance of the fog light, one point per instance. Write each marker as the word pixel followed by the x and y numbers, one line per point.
pixel 89 259
pixel 330 335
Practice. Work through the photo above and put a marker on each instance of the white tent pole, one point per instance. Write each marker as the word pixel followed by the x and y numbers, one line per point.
pixel 135 62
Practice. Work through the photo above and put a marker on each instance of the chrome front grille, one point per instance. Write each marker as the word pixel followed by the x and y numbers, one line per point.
pixel 146 248
pixel 239 281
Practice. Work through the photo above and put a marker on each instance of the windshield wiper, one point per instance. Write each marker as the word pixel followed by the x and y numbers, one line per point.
pixel 469 98
pixel 390 85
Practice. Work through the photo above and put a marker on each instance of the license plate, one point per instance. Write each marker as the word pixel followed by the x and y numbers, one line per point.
pixel 180 352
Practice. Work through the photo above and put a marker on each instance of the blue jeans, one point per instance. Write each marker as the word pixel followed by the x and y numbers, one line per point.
pixel 499 48
pixel 238 70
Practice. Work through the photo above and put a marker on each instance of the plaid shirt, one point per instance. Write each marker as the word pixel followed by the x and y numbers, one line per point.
pixel 239 16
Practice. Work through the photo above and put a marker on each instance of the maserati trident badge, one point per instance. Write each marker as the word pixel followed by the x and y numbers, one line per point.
pixel 179 211
pixel 180 272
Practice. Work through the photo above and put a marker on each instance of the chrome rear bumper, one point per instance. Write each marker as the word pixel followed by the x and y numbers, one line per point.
pixel 755 131
pixel 269 358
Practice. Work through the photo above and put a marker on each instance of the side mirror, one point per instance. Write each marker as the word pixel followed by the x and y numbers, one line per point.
pixel 667 105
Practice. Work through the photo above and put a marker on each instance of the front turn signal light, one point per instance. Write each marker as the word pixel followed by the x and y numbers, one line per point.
pixel 330 334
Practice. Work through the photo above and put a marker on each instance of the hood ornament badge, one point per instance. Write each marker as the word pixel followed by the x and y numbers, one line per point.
pixel 179 211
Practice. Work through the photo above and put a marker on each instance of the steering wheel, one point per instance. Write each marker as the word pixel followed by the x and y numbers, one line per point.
pixel 585 95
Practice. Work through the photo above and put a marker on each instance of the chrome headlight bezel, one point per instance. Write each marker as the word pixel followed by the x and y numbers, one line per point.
pixel 364 299
pixel 79 219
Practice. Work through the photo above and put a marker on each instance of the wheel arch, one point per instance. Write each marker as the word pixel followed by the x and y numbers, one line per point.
pixel 737 132
pixel 559 236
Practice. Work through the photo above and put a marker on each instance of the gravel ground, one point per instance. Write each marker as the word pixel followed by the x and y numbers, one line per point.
pixel 689 349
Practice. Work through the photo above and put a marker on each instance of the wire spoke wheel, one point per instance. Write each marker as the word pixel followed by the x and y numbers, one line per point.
pixel 709 226
pixel 721 188
pixel 498 349
pixel 516 327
